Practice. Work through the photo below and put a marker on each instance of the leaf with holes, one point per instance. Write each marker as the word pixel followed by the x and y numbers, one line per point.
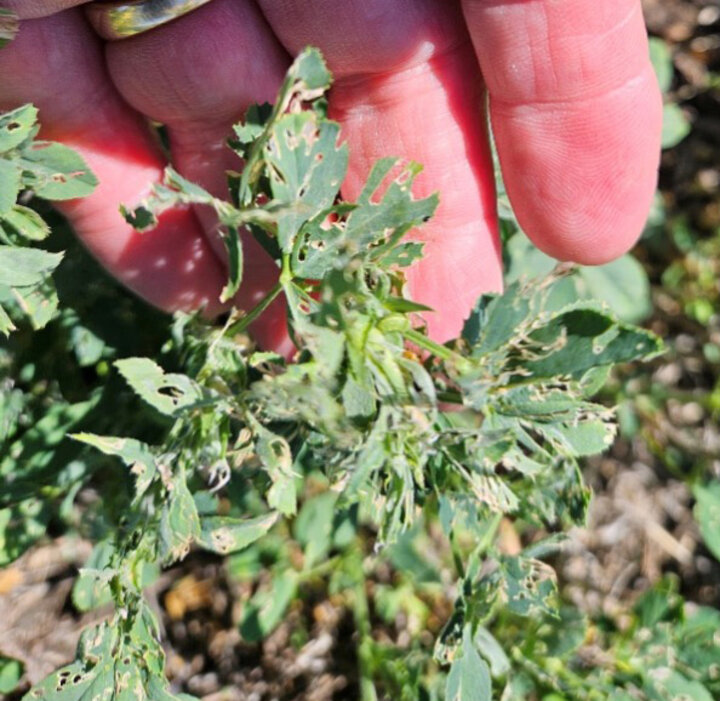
pixel 169 393
pixel 55 172
pixel 17 126
pixel 136 455
pixel 112 666
pixel 225 535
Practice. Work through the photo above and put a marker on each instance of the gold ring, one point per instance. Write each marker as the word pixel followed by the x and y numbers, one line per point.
pixel 120 20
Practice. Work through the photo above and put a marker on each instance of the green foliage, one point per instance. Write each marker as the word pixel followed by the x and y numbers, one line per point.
pixel 120 661
pixel 10 674
pixel 49 170
pixel 392 431
pixel 623 284
pixel 707 513
pixel 469 677
pixel 676 125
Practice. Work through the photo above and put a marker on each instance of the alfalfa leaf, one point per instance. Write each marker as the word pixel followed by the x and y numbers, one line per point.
pixel 169 393
pixel 469 677
pixel 55 172
pixel 225 535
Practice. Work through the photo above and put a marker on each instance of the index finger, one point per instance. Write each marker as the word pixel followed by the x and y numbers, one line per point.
pixel 577 116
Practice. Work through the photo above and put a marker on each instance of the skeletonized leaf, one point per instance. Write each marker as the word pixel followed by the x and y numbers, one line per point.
pixel 529 586
pixel 370 228
pixel 112 666
pixel 582 338
pixel 169 393
pixel 306 167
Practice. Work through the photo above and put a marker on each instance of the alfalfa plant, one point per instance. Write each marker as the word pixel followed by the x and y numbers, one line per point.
pixel 405 431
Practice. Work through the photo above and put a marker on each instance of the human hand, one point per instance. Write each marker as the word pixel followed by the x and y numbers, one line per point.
pixel 575 108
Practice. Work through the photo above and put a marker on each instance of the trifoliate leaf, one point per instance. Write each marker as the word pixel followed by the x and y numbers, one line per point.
pixel 91 588
pixel 496 319
pixel 667 683
pixel 306 81
pixel 369 229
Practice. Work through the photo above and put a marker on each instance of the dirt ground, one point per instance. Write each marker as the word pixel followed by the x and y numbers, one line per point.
pixel 641 524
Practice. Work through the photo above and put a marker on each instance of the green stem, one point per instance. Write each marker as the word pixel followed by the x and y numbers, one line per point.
pixel 457 556
pixel 419 339
pixel 361 614
pixel 256 311
pixel 489 536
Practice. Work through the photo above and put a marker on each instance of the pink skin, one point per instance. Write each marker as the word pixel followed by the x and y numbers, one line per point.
pixel 574 104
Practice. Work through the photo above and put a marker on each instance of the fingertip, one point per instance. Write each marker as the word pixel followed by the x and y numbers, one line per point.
pixel 582 175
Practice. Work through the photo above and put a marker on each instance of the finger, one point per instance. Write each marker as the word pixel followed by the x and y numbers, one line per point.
pixel 172 267
pixel 197 75
pixel 32 9
pixel 408 85
pixel 577 114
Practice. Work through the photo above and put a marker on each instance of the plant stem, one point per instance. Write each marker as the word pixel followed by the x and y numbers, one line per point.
pixel 361 614
pixel 256 311
pixel 429 345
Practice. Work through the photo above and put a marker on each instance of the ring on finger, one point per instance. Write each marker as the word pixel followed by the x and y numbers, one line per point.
pixel 120 20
